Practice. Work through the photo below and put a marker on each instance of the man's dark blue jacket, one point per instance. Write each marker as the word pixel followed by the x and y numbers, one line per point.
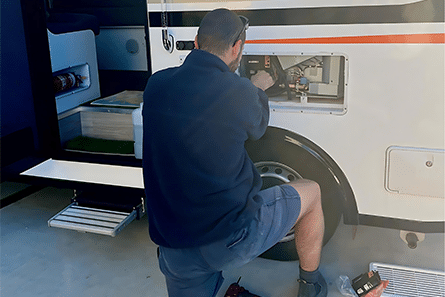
pixel 200 183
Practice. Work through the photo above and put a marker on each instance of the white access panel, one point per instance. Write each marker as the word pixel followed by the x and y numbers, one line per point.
pixel 114 175
pixel 415 171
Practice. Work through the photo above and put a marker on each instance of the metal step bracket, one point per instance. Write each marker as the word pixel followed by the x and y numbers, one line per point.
pixel 92 220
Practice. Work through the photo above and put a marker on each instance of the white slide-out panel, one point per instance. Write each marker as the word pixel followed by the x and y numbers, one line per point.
pixel 114 175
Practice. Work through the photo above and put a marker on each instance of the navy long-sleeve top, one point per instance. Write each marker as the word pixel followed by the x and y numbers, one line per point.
pixel 200 183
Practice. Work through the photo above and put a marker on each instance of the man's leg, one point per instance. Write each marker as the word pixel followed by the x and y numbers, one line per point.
pixel 187 274
pixel 309 231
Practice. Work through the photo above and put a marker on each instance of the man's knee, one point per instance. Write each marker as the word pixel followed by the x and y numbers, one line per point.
pixel 310 194
pixel 307 188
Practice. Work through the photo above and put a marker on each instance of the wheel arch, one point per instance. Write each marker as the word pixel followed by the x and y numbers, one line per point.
pixel 348 202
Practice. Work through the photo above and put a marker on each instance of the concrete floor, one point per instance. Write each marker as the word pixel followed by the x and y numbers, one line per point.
pixel 40 261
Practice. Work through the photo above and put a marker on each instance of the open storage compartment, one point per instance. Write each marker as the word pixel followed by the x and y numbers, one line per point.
pixel 97 130
pixel 105 126
pixel 307 83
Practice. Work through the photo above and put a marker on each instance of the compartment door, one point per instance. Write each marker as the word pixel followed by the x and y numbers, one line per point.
pixel 415 171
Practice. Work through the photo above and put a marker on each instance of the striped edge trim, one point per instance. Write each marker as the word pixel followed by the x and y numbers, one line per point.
pixel 436 38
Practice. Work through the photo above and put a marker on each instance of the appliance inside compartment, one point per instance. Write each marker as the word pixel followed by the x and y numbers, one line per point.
pixel 306 82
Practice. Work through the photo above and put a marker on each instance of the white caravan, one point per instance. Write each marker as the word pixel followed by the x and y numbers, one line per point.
pixel 361 89
pixel 358 105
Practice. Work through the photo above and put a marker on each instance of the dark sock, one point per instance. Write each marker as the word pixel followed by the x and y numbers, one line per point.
pixel 309 276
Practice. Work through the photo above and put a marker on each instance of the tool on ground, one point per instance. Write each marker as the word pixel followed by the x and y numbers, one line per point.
pixel 235 290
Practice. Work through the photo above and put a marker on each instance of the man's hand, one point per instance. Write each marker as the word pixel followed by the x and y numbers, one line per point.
pixel 262 80
pixel 377 292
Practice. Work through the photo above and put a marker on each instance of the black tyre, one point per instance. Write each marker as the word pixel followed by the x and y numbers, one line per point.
pixel 282 156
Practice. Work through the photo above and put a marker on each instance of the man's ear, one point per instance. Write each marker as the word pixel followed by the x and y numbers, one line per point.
pixel 196 42
pixel 237 48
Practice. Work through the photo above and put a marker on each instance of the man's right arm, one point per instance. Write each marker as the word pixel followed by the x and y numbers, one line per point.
pixel 257 117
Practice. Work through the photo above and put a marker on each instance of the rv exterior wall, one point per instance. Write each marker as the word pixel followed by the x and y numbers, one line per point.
pixel 393 89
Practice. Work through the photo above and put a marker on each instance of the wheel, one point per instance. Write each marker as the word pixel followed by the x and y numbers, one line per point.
pixel 281 156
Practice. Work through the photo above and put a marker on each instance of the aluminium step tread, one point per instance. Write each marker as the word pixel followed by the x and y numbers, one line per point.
pixel 92 220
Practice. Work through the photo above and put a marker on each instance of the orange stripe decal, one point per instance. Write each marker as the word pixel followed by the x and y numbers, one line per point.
pixel 405 38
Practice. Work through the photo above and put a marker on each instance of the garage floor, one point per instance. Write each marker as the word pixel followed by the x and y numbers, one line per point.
pixel 40 261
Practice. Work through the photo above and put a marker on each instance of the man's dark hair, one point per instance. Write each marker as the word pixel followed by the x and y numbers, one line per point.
pixel 219 30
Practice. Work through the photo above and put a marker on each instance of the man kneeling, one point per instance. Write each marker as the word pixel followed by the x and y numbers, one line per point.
pixel 204 203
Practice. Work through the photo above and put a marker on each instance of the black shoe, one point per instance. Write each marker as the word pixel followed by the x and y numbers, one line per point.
pixel 318 289
pixel 236 290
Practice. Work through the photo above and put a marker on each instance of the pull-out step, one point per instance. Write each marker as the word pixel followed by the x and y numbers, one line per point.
pixel 92 220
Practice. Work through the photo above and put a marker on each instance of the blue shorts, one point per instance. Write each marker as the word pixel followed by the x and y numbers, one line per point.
pixel 197 271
